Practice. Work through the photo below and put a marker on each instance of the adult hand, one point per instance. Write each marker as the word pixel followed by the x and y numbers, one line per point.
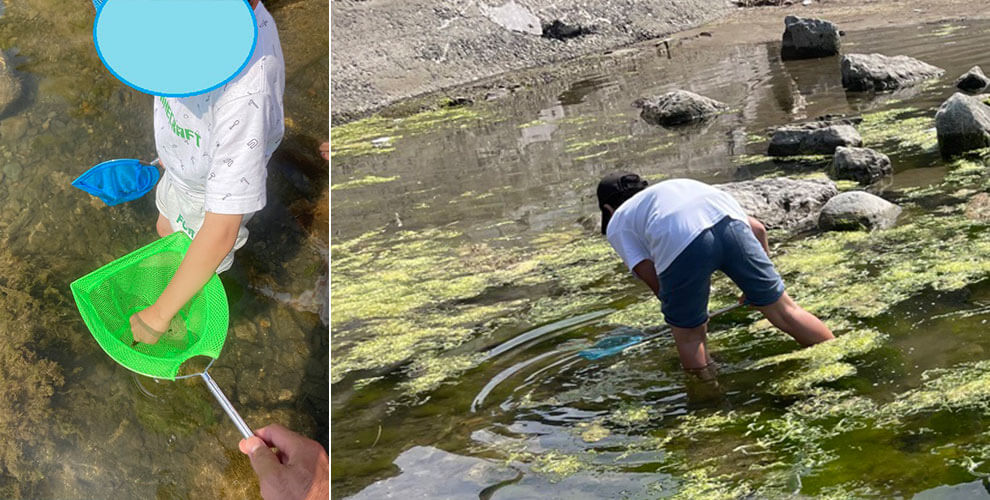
pixel 300 470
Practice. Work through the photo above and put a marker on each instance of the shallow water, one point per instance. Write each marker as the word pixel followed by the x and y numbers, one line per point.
pixel 73 423
pixel 471 218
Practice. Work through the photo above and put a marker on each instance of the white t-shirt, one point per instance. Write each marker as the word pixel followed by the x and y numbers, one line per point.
pixel 215 146
pixel 659 222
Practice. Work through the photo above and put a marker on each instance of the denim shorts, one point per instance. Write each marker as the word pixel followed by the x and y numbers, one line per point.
pixel 728 246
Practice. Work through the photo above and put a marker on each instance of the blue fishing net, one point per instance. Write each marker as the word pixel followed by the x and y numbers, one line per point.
pixel 118 181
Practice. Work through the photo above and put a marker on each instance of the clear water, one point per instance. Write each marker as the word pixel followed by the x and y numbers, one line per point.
pixel 73 423
pixel 527 168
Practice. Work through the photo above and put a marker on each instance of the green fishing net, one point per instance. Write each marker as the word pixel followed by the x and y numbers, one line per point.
pixel 108 296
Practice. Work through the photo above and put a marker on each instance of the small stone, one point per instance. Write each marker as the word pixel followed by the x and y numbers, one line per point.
pixel 978 207
pixel 862 165
pixel 13 171
pixel 284 395
pixel 962 124
pixel 880 72
pixel 678 108
pixel 814 138
pixel 858 210
pixel 809 38
pixel 973 80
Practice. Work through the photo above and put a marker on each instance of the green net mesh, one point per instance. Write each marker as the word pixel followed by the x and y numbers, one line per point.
pixel 107 298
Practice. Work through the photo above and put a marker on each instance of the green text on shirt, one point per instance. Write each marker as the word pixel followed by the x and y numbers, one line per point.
pixel 183 133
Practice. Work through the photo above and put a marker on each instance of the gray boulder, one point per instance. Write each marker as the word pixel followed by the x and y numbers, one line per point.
pixel 857 210
pixel 783 203
pixel 973 80
pixel 677 108
pixel 962 124
pixel 880 72
pixel 10 85
pixel 809 38
pixel 862 165
pixel 814 138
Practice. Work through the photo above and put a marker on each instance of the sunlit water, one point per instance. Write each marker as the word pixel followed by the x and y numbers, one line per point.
pixel 530 167
pixel 86 427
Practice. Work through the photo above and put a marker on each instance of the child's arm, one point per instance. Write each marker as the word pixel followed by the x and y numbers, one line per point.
pixel 648 273
pixel 760 231
pixel 212 243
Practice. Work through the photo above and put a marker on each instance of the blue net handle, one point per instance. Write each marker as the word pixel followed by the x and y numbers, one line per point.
pixel 97 4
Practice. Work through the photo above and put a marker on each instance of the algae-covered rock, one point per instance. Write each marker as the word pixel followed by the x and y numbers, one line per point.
pixel 809 38
pixel 963 124
pixel 678 108
pixel 857 210
pixel 973 80
pixel 783 203
pixel 862 165
pixel 880 72
pixel 813 138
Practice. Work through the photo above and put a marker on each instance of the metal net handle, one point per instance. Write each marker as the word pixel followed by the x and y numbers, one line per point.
pixel 208 365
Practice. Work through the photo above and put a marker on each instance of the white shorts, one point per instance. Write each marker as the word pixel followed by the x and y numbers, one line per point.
pixel 185 212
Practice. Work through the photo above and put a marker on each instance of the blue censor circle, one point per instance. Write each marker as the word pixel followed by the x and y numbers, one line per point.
pixel 175 48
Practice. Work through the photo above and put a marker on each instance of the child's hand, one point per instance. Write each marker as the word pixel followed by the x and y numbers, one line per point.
pixel 147 327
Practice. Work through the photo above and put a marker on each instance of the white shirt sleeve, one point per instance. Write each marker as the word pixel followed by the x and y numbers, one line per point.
pixel 629 247
pixel 236 180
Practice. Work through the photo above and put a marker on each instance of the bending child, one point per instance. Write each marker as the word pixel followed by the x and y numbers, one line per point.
pixel 674 235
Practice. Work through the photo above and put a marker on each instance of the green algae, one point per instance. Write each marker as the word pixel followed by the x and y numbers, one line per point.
pixel 356 138
pixel 557 466
pixel 852 344
pixel 575 146
pixel 901 128
pixel 630 415
pixel 966 386
pixel 367 180
pixel 590 156
pixel 593 432
pixel 706 483
pixel 946 30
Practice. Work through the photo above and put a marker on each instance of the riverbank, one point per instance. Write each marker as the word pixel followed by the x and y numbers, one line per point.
pixel 434 54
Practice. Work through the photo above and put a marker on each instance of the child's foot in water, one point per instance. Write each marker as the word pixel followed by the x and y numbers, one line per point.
pixel 142 332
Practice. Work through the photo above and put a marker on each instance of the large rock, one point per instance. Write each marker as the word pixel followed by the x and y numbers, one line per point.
pixel 814 138
pixel 809 38
pixel 10 85
pixel 782 203
pixel 962 124
pixel 862 165
pixel 678 108
pixel 880 72
pixel 856 210
pixel 973 80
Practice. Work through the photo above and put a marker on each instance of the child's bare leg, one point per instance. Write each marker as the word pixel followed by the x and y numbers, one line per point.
pixel 163 227
pixel 805 327
pixel 692 346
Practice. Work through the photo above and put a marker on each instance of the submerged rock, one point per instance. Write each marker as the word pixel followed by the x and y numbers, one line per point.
pixel 973 80
pixel 10 85
pixel 809 38
pixel 962 124
pixel 862 165
pixel 857 210
pixel 880 72
pixel 677 108
pixel 812 138
pixel 783 203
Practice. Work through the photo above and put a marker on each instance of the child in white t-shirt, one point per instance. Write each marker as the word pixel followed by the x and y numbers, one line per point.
pixel 214 148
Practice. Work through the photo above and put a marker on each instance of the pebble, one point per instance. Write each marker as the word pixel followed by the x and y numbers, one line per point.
pixel 13 170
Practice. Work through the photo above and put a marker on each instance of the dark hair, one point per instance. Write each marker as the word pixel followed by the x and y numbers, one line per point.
pixel 614 189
